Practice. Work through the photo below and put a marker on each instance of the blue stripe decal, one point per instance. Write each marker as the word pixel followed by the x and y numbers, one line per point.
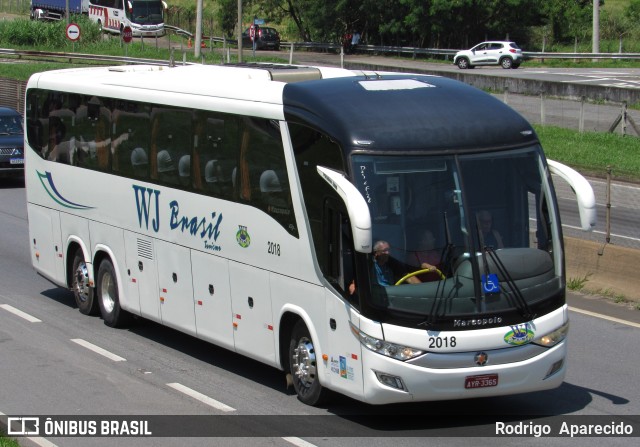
pixel 51 189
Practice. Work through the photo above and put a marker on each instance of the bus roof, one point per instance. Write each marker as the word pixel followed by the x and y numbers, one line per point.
pixel 374 111
pixel 399 112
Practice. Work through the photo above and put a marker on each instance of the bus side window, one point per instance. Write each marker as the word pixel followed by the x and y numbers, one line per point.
pixel 93 142
pixel 130 140
pixel 263 172
pixel 214 155
pixel 171 139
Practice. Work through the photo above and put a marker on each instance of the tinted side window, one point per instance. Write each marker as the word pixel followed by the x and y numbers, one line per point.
pixel 262 173
pixel 171 145
pixel 215 154
pixel 311 148
pixel 223 155
pixel 92 133
pixel 131 126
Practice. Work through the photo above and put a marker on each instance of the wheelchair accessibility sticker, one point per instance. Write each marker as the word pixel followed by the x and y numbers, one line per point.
pixel 490 283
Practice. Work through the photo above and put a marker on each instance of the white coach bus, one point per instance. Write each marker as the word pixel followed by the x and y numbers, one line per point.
pixel 242 205
pixel 144 17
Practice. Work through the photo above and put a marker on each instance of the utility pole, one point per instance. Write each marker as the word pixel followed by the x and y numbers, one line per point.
pixel 240 31
pixel 198 41
pixel 596 26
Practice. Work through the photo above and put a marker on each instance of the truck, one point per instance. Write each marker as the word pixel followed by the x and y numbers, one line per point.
pixel 55 9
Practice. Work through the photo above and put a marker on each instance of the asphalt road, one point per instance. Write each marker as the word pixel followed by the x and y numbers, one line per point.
pixel 54 366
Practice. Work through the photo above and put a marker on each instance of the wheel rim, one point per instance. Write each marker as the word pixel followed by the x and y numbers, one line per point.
pixel 107 292
pixel 81 283
pixel 304 362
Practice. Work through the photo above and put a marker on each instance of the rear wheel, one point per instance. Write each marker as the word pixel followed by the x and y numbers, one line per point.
pixel 108 297
pixel 506 62
pixel 82 292
pixel 304 366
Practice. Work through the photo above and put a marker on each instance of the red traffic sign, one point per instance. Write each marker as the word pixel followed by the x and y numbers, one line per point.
pixel 127 34
pixel 73 32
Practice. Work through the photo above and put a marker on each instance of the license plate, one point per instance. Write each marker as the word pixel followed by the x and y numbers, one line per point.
pixel 16 161
pixel 483 381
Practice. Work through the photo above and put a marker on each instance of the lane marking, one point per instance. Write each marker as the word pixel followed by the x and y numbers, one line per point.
pixel 42 442
pixel 298 442
pixel 98 350
pixel 21 314
pixel 201 397
pixel 604 317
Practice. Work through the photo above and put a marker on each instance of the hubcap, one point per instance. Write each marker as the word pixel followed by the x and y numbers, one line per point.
pixel 304 362
pixel 107 292
pixel 81 286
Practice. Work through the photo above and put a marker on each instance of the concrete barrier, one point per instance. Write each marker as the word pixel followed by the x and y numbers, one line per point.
pixel 609 270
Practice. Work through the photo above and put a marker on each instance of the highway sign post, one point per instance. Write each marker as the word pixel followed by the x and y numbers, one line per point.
pixel 73 33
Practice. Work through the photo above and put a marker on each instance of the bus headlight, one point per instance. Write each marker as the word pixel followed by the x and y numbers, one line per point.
pixel 553 338
pixel 392 350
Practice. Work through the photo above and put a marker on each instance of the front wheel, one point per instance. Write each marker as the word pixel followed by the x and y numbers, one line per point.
pixel 82 291
pixel 108 296
pixel 506 63
pixel 304 366
pixel 463 63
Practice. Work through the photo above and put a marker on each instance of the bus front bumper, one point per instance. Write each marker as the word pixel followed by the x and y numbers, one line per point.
pixel 390 381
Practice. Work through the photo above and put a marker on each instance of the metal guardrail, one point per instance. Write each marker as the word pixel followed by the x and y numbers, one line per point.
pixel 81 56
pixel 313 46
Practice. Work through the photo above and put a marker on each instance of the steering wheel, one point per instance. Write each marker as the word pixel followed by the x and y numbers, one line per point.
pixel 419 272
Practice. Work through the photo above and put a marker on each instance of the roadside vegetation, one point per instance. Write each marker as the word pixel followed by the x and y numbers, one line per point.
pixel 7 442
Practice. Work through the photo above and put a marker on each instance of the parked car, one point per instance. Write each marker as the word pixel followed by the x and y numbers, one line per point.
pixel 11 143
pixel 266 38
pixel 505 54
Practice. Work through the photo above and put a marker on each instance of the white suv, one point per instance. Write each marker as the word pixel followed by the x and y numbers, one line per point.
pixel 505 54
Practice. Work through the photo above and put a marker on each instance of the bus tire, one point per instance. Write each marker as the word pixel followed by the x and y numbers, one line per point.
pixel 108 297
pixel 303 366
pixel 82 291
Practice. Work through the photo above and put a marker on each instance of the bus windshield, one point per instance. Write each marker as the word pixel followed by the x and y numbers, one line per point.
pixel 459 236
pixel 146 12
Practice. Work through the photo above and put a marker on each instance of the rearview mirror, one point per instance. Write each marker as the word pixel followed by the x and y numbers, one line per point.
pixel 358 210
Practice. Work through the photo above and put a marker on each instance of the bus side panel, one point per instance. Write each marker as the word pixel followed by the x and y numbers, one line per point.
pixel 76 228
pixel 47 256
pixel 109 239
pixel 212 296
pixel 343 349
pixel 175 286
pixel 143 278
pixel 308 302
pixel 251 307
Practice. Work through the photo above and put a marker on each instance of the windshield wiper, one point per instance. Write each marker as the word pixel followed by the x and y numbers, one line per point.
pixel 447 261
pixel 521 302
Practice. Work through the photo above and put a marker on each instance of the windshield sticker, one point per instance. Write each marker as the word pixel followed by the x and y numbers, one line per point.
pixel 46 180
pixel 520 334
pixel 242 237
pixel 490 283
